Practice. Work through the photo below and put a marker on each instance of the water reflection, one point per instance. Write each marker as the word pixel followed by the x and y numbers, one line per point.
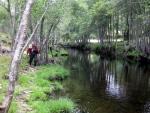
pixel 104 86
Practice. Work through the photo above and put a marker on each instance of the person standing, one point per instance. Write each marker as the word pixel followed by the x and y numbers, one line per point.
pixel 29 50
pixel 33 52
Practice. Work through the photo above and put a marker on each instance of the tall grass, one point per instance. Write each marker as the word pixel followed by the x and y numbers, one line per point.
pixel 62 105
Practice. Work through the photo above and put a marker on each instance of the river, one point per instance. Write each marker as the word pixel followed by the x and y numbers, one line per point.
pixel 107 86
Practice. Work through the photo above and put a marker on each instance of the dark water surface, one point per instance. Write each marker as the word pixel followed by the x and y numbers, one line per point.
pixel 104 86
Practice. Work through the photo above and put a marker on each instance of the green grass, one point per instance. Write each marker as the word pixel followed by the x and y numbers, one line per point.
pixel 63 52
pixel 41 87
pixel 57 86
pixel 24 80
pixel 5 38
pixel 58 53
pixel 52 72
pixel 134 53
pixel 38 95
pixel 13 107
pixel 62 105
pixel 24 62
pixel 38 85
pixel 4 64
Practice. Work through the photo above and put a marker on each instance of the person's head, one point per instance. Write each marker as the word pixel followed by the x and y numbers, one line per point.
pixel 32 42
pixel 33 46
pixel 30 46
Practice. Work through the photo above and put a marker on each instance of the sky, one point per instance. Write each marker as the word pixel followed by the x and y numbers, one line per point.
pixel 2 0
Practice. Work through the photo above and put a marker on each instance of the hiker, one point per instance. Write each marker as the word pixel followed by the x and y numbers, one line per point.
pixel 32 52
pixel 29 50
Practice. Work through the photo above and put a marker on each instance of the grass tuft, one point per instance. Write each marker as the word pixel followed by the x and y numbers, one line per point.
pixel 62 105
pixel 52 72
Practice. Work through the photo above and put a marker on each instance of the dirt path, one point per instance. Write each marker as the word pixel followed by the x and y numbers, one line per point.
pixel 21 100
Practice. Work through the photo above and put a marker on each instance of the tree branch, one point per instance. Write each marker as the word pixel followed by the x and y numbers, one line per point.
pixel 3 5
pixel 34 31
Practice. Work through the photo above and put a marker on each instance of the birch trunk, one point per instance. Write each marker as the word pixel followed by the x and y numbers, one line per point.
pixel 13 71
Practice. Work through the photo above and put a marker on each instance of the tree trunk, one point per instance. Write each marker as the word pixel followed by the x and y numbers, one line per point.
pixel 46 52
pixel 13 71
pixel 30 24
pixel 117 30
pixel 41 41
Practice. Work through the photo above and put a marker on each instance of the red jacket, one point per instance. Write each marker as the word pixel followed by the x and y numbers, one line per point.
pixel 35 49
pixel 29 50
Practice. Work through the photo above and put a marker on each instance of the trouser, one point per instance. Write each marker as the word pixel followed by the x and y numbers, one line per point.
pixel 33 57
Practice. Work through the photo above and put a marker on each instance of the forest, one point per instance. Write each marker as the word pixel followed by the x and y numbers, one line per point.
pixel 107 36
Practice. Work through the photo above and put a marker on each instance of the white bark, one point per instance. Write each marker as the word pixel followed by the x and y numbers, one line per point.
pixel 19 42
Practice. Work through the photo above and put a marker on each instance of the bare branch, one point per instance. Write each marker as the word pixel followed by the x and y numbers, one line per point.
pixel 34 31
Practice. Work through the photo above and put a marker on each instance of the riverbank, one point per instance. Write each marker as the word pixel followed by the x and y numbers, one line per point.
pixel 112 51
pixel 37 88
pixel 40 87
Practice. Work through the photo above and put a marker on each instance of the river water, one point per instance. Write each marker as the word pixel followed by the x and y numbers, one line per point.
pixel 107 86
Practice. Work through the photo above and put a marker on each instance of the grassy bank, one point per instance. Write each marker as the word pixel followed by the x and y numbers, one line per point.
pixel 119 50
pixel 36 88
pixel 58 53
pixel 41 85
